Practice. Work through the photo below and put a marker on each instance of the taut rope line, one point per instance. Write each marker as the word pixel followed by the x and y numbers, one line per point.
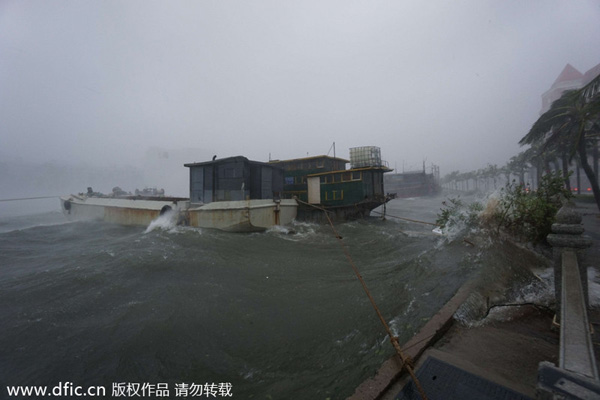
pixel 405 219
pixel 31 198
pixel 406 362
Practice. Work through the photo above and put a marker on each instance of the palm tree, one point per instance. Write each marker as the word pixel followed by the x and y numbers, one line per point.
pixel 537 161
pixel 571 120
pixel 450 179
pixel 492 171
pixel 518 165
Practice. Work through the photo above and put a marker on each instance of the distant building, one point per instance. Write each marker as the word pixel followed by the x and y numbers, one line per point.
pixel 570 78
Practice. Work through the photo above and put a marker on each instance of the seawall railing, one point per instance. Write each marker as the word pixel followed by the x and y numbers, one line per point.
pixel 576 376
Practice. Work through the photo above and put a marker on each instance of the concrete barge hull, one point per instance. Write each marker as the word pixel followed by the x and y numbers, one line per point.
pixel 121 211
pixel 244 215
pixel 234 216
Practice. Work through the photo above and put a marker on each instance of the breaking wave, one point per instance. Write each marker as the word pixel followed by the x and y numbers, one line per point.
pixel 166 222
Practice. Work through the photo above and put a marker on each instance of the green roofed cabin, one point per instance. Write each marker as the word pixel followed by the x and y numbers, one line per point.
pixel 324 182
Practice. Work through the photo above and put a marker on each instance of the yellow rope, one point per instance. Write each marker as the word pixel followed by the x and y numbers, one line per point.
pixel 406 219
pixel 30 198
pixel 406 361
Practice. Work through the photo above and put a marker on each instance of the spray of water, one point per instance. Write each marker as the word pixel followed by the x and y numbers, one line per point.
pixel 166 222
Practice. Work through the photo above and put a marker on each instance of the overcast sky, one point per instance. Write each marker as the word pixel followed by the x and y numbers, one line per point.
pixel 455 82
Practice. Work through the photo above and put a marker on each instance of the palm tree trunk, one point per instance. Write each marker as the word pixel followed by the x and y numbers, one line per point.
pixel 595 156
pixel 578 169
pixel 565 171
pixel 589 171
pixel 522 177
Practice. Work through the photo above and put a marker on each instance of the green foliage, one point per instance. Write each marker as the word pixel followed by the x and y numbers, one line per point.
pixel 523 213
pixel 455 212
pixel 566 128
pixel 529 214
pixel 448 212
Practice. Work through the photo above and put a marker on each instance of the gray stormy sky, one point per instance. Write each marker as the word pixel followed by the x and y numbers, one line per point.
pixel 456 82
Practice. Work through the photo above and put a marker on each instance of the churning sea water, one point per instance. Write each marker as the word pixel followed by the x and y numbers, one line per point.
pixel 278 314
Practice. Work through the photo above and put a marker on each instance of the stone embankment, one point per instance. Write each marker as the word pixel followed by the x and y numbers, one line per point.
pixel 504 350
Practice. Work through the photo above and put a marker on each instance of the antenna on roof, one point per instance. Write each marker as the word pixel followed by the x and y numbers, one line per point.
pixel 332 147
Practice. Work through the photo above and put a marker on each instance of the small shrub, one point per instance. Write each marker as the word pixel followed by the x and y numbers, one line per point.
pixel 529 214
pixel 524 213
pixel 455 212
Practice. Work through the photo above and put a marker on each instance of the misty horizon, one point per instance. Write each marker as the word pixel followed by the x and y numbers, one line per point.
pixel 457 85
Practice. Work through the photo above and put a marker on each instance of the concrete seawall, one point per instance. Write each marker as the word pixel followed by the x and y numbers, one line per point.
pixel 434 329
pixel 506 351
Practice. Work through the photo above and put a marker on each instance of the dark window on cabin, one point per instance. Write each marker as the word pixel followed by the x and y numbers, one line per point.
pixel 356 175
pixel 337 177
pixel 197 184
pixel 229 173
pixel 346 176
pixel 378 183
pixel 266 182
pixel 277 184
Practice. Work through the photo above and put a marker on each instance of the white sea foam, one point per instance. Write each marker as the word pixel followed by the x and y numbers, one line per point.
pixel 280 229
pixel 166 222
pixel 295 232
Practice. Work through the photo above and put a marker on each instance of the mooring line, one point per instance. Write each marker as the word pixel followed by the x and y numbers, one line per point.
pixel 30 198
pixel 406 219
pixel 406 361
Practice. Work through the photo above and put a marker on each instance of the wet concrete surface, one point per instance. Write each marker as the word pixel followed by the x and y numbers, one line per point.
pixel 506 351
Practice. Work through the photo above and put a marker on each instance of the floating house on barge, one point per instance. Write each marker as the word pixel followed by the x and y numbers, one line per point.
pixel 231 194
pixel 323 182
pixel 238 194
pixel 233 179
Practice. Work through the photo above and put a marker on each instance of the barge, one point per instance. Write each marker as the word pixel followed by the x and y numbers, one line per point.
pixel 232 194
pixel 323 183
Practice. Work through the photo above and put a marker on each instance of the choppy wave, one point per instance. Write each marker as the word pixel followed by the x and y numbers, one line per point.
pixel 9 224
pixel 278 313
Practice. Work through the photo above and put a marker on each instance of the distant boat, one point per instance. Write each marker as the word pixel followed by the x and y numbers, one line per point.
pixel 413 183
pixel 232 194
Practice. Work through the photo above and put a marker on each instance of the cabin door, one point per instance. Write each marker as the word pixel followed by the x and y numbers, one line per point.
pixel 314 190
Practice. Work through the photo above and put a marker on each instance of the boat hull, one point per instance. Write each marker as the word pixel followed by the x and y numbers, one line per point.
pixel 124 211
pixel 243 215
pixel 233 216
pixel 317 213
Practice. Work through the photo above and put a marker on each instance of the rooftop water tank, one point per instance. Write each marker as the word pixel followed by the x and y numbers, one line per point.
pixel 366 156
